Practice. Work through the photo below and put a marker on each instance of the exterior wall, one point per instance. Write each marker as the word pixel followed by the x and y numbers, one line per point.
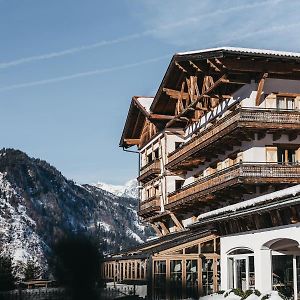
pixel 246 96
pixel 262 255
pixel 254 151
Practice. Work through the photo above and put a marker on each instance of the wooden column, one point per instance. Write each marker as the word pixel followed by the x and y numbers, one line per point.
pixel 260 89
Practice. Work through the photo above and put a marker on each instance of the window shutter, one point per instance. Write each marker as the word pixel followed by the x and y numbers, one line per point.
pixel 271 154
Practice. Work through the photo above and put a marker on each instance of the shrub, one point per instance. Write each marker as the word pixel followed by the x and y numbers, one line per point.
pixel 247 294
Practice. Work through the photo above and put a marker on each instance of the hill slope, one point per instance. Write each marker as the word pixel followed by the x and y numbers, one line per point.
pixel 38 206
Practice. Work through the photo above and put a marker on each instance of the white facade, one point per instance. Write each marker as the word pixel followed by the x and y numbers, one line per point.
pixel 265 244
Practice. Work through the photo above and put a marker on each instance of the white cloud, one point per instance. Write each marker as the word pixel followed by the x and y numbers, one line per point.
pixel 202 24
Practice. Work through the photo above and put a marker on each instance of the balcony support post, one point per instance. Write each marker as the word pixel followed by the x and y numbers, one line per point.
pixel 260 88
pixel 164 228
pixel 176 222
pixel 158 232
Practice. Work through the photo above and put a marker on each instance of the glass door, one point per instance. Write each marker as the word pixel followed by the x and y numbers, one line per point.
pixel 241 274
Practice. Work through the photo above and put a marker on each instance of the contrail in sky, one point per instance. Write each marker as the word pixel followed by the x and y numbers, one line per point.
pixel 245 35
pixel 82 74
pixel 131 37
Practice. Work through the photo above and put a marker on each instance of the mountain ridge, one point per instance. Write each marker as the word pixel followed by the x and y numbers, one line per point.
pixel 39 206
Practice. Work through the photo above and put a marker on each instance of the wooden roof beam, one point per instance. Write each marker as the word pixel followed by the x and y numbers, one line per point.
pixel 180 67
pixel 223 79
pixel 160 117
pixel 132 141
pixel 213 66
pixel 174 94
pixel 196 67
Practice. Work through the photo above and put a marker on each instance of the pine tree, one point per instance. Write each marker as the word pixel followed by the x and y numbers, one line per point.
pixel 7 279
pixel 32 271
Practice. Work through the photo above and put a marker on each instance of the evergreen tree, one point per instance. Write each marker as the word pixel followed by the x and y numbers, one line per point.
pixel 7 278
pixel 31 271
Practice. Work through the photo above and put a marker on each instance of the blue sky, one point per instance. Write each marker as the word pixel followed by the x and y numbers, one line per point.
pixel 68 68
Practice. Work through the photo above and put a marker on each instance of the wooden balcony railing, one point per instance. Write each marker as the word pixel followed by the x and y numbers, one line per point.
pixel 149 206
pixel 149 171
pixel 242 117
pixel 248 173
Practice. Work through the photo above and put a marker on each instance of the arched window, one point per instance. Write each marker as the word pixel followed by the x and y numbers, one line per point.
pixel 237 251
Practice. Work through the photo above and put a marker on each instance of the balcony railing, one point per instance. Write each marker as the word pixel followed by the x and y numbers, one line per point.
pixel 149 171
pixel 239 173
pixel 149 206
pixel 242 117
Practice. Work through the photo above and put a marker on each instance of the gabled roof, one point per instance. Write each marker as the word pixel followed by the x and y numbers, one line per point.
pixel 138 112
pixel 231 57
pixel 215 74
pixel 245 51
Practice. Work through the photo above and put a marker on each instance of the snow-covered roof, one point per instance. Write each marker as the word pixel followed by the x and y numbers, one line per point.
pixel 291 191
pixel 246 51
pixel 145 102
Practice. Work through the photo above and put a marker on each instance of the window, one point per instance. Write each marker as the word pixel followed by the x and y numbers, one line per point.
pixel 192 250
pixel 176 271
pixel 149 158
pixel 178 184
pixel 207 247
pixel 286 156
pixel 285 102
pixel 207 276
pixel 156 153
pixel 271 154
pixel 156 190
pixel 160 273
pixel 191 273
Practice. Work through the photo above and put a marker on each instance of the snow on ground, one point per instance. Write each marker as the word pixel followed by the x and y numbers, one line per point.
pixel 291 191
pixel 273 295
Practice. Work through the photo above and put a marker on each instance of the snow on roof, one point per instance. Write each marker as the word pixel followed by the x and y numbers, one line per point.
pixel 145 102
pixel 245 50
pixel 291 191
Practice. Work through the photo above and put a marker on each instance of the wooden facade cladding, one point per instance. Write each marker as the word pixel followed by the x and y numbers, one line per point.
pixel 149 171
pixel 149 207
pixel 124 270
pixel 241 173
pixel 238 123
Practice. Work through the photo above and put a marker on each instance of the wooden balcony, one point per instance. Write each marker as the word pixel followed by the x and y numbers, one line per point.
pixel 149 171
pixel 149 207
pixel 236 176
pixel 237 126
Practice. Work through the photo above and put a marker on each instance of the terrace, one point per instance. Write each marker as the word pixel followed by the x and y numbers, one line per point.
pixel 149 171
pixel 149 207
pixel 240 174
pixel 238 125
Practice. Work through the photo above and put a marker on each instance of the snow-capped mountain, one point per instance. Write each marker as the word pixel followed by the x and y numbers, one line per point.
pixel 39 206
pixel 130 189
